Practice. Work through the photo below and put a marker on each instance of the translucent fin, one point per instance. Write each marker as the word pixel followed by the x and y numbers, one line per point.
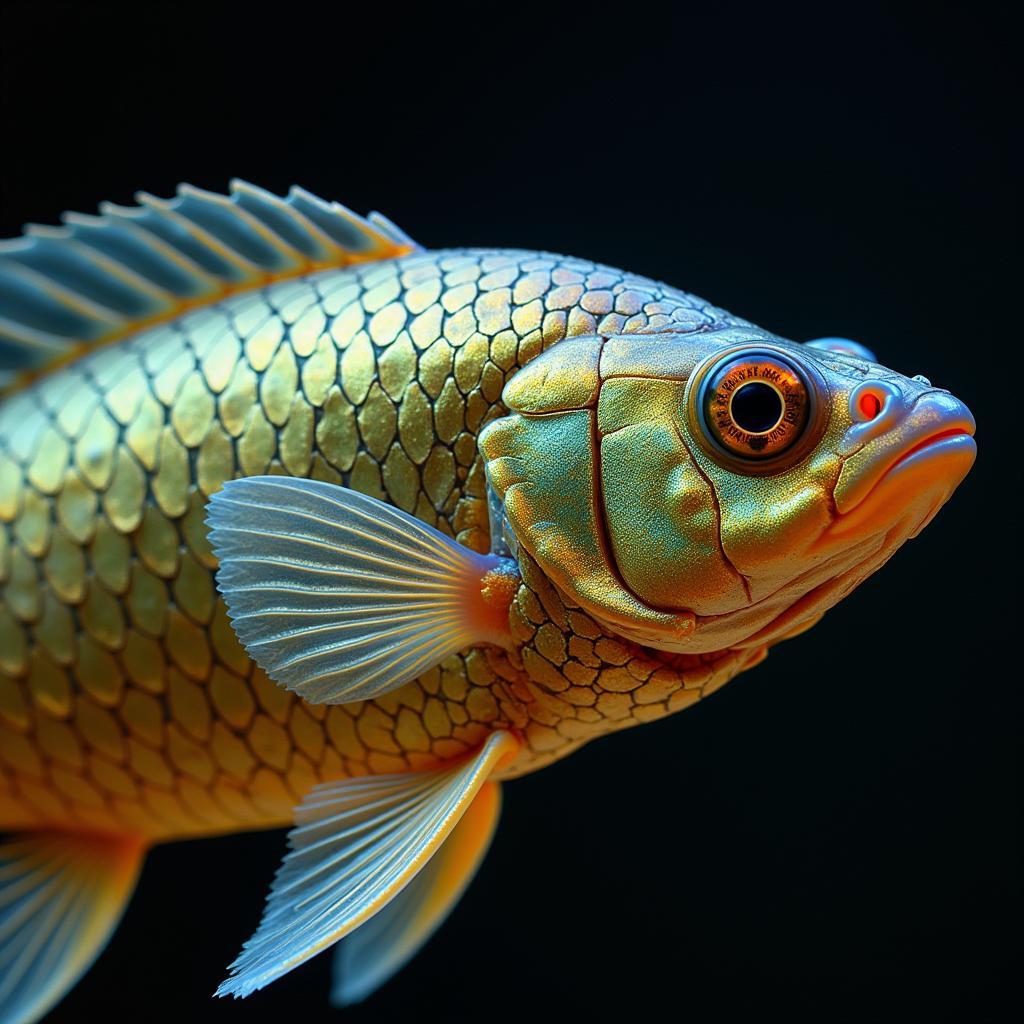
pixel 368 957
pixel 100 278
pixel 61 895
pixel 357 844
pixel 341 597
pixel 391 229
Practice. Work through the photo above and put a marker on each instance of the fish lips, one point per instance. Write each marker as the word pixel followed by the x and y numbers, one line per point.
pixel 920 461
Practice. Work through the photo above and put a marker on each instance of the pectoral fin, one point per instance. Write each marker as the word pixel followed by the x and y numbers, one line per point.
pixel 357 844
pixel 373 953
pixel 341 597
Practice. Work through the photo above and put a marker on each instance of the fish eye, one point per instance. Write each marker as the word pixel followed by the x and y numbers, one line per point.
pixel 753 406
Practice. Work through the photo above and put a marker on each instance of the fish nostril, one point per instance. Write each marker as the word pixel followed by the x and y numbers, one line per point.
pixel 922 379
pixel 869 400
pixel 869 405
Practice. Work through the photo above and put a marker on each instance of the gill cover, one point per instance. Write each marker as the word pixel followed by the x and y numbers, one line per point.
pixel 541 462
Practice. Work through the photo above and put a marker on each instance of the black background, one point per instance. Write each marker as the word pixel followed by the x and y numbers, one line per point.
pixel 833 834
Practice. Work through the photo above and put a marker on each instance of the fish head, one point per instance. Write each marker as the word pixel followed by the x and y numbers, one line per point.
pixel 704 491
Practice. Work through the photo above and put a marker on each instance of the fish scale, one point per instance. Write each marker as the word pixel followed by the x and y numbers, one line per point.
pixel 125 700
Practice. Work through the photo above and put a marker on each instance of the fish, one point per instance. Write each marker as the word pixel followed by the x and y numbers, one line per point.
pixel 303 525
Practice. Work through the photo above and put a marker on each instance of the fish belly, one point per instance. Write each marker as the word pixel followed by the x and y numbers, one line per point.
pixel 126 703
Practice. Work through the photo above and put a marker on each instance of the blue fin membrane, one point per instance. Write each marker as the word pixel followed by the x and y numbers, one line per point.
pixel 374 952
pixel 97 278
pixel 357 844
pixel 61 895
pixel 339 596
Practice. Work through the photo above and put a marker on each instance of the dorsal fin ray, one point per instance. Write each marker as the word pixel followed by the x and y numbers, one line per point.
pixel 98 278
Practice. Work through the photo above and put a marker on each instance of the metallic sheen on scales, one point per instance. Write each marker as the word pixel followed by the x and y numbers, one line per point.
pixel 157 352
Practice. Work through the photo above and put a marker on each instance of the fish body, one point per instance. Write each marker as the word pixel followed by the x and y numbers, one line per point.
pixel 126 697
pixel 534 409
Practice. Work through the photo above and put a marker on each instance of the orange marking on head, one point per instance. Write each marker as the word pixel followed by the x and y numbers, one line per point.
pixel 870 405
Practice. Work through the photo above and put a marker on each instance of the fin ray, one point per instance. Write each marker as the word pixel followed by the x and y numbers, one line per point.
pixel 333 880
pixel 378 949
pixel 383 598
pixel 98 278
pixel 61 895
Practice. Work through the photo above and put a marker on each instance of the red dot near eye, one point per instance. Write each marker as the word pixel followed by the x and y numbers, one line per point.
pixel 870 405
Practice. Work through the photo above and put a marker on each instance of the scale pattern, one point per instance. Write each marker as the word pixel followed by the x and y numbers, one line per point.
pixel 125 701
pixel 571 680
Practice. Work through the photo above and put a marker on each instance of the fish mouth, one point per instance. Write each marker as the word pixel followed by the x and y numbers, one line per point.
pixel 926 455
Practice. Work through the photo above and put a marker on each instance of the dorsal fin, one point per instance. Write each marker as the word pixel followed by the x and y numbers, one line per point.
pixel 98 278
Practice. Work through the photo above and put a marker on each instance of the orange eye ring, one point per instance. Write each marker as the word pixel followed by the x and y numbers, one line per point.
pixel 756 406
pixel 753 409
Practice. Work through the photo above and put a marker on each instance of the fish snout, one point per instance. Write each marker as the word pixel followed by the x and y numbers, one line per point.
pixel 908 440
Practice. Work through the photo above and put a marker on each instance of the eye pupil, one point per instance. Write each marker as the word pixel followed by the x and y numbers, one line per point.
pixel 752 405
pixel 757 407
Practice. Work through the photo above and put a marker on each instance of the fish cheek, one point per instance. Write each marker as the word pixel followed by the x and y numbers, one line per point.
pixel 769 528
pixel 662 522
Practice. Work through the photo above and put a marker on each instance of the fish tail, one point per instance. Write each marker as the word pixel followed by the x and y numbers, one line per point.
pixel 61 896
